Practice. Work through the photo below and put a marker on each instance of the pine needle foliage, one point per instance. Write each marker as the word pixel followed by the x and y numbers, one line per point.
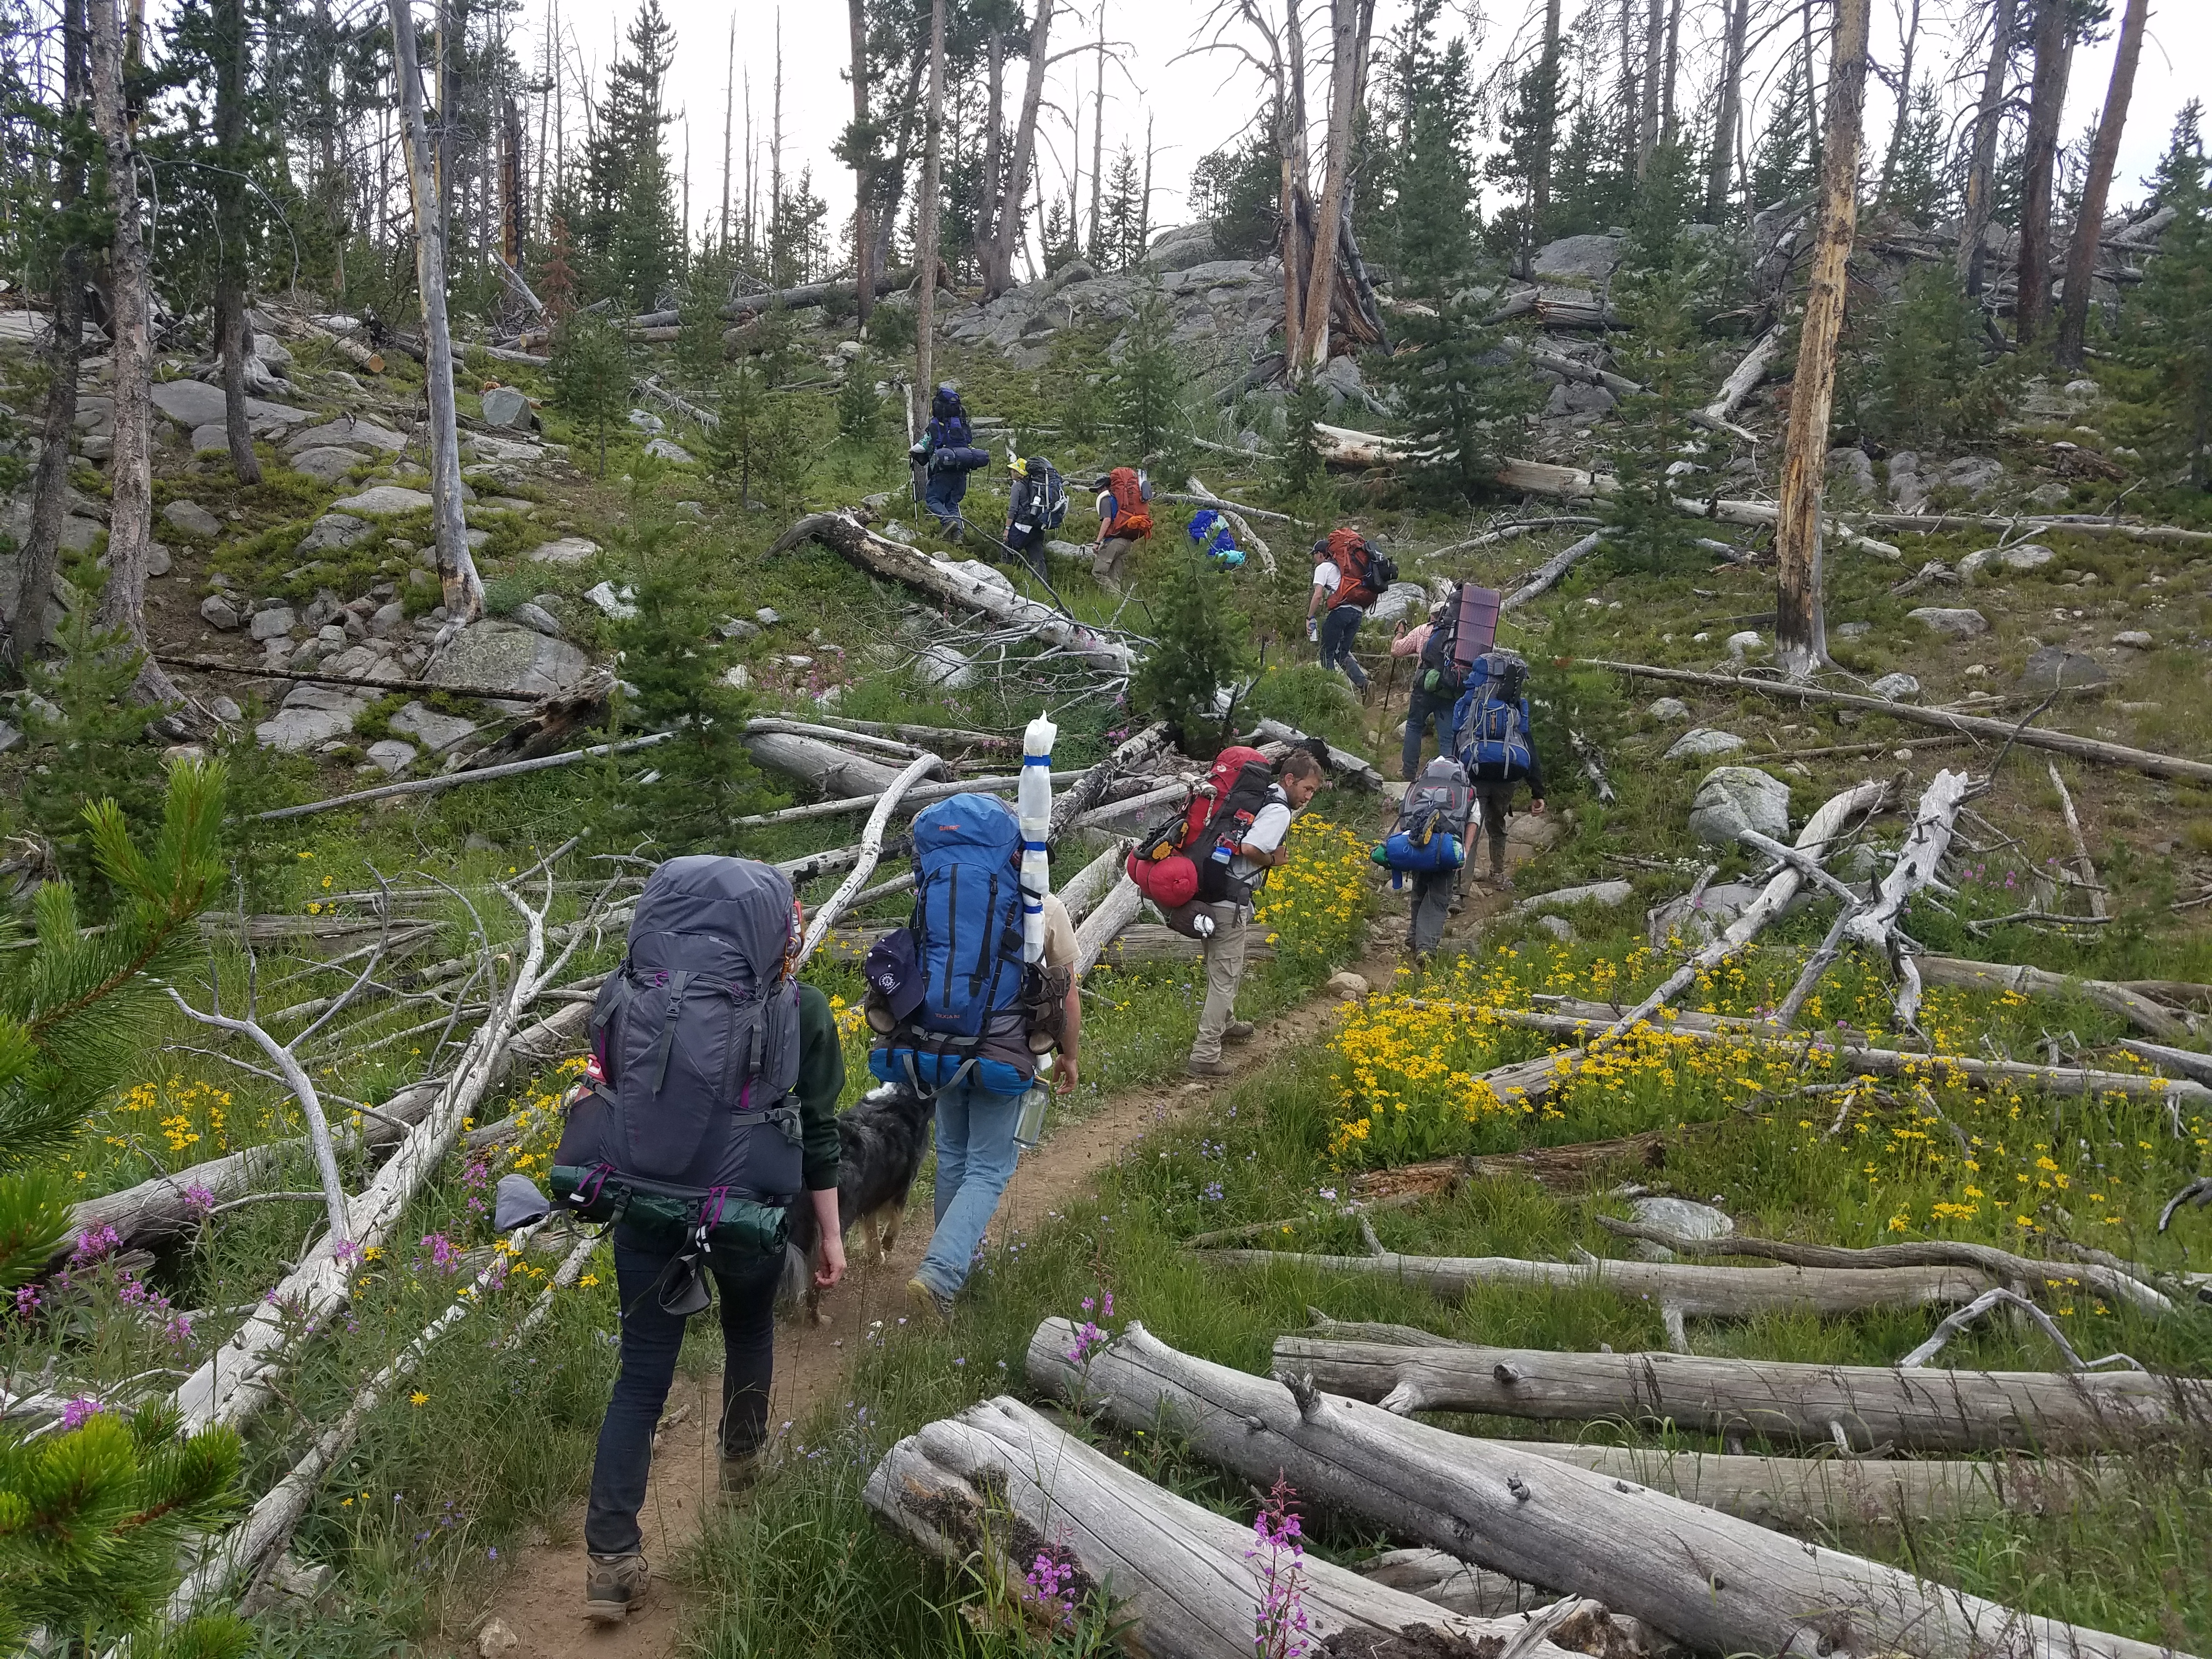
pixel 1463 392
pixel 1932 380
pixel 82 707
pixel 1146 386
pixel 1205 643
pixel 1642 530
pixel 2163 376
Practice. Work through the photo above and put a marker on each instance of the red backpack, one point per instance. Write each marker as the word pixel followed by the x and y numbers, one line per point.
pixel 1187 858
pixel 1133 519
pixel 1355 569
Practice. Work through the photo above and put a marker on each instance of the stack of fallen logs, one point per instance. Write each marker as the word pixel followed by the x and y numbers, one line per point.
pixel 1526 1547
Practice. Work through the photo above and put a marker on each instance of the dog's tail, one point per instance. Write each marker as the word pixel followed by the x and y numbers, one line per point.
pixel 791 1283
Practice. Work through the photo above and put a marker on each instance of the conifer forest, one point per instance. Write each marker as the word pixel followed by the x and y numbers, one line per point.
pixel 1749 1192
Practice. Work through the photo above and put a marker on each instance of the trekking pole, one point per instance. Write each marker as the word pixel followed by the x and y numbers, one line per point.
pixel 1059 604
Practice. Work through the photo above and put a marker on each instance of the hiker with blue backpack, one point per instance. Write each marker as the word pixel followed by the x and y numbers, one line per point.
pixel 1428 843
pixel 1492 733
pixel 959 1014
pixel 708 1109
pixel 946 453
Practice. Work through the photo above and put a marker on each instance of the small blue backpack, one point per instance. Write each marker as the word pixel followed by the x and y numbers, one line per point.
pixel 972 1021
pixel 1430 834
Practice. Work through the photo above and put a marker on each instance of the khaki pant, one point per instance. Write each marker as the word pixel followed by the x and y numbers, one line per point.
pixel 1106 564
pixel 1224 966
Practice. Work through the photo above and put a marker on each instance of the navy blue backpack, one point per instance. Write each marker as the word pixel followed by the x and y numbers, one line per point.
pixel 1490 728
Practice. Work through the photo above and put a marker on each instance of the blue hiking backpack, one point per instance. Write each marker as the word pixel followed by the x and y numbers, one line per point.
pixel 687 1120
pixel 1210 530
pixel 1430 834
pixel 973 1018
pixel 1490 728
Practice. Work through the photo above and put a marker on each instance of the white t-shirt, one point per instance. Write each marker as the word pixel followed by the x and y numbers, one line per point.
pixel 1269 825
pixel 1327 576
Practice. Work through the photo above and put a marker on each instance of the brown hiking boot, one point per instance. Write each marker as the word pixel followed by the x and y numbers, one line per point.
pixel 930 1303
pixel 1240 1030
pixel 739 1474
pixel 1209 1068
pixel 614 1585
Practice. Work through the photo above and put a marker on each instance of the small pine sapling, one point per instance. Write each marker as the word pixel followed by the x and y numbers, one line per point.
pixel 1302 465
pixel 1147 387
pixel 1464 394
pixel 82 707
pixel 1643 530
pixel 592 375
pixel 1204 646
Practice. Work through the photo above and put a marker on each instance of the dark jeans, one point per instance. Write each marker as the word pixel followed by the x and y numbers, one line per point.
pixel 1027 543
pixel 651 1338
pixel 1419 713
pixel 1433 898
pixel 943 496
pixel 1337 631
pixel 1495 801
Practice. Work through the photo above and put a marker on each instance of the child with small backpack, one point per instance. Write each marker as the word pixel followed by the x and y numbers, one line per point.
pixel 1492 734
pixel 1349 576
pixel 1243 841
pixel 1428 843
pixel 1125 518
pixel 961 1016
pixel 709 1106
pixel 1036 506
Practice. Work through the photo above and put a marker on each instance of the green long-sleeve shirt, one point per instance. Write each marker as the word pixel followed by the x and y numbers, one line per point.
pixel 821 1079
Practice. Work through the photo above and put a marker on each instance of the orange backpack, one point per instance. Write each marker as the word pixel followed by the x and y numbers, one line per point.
pixel 1349 552
pixel 1132 518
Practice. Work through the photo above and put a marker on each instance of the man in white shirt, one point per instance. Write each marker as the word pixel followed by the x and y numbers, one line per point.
pixel 1341 595
pixel 1260 851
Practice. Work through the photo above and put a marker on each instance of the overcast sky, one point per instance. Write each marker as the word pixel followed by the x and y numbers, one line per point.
pixel 1196 104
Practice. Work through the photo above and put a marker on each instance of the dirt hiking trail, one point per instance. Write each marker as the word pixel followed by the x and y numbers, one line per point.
pixel 541 1597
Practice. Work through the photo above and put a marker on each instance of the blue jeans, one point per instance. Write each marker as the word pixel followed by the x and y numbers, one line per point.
pixel 651 1339
pixel 1419 714
pixel 943 495
pixel 1337 632
pixel 974 1160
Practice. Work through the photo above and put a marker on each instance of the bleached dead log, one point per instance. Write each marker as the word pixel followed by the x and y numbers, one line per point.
pixel 1720 1583
pixel 1342 763
pixel 871 844
pixel 825 768
pixel 844 534
pixel 1868 1406
pixel 1851 1057
pixel 2082 865
pixel 1083 890
pixel 268 1526
pixel 1113 913
pixel 915 797
pixel 867 743
pixel 1551 571
pixel 2187 1061
pixel 1762 514
pixel 233 1382
pixel 431 786
pixel 1000 1484
pixel 2139 1011
pixel 1935 524
pixel 1452 1583
pixel 927 737
pixel 1137 811
pixel 1696 1292
pixel 1746 374
pixel 2029 737
pixel 1876 926
pixel 1147 942
pixel 1959 1318
pixel 1593 763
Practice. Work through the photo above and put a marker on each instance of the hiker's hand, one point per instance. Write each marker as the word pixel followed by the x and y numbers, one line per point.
pixel 1065 1074
pixel 833 1261
pixel 1537 806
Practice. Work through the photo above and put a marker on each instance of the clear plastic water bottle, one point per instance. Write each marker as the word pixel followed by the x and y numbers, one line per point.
pixel 1029 1128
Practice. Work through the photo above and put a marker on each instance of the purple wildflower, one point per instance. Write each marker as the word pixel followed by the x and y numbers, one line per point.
pixel 78 1413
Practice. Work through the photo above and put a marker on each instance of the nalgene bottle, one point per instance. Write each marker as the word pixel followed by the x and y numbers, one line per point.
pixel 1029 1128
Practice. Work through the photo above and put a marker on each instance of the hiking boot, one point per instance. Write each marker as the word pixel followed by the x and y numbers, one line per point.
pixel 613 1586
pixel 1209 1068
pixel 1501 881
pixel 930 1303
pixel 1240 1030
pixel 739 1473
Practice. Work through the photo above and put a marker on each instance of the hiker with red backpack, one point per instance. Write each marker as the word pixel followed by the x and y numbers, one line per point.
pixel 1205 866
pixel 709 1109
pixel 1493 735
pixel 1125 518
pixel 1349 576
pixel 961 1016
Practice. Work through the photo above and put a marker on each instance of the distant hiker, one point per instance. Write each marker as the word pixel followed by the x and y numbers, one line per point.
pixel 1036 506
pixel 1428 843
pixel 1349 576
pixel 958 1015
pixel 1125 518
pixel 1492 735
pixel 1209 533
pixel 947 453
pixel 1424 708
pixel 709 1105
pixel 1245 849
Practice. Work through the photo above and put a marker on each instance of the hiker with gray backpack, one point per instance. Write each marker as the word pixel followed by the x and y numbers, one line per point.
pixel 961 1016
pixel 1428 843
pixel 709 1109
pixel 1491 734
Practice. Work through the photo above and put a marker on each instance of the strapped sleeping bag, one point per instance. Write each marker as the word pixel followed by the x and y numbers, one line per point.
pixel 977 996
pixel 1430 834
pixel 1489 727
pixel 687 1121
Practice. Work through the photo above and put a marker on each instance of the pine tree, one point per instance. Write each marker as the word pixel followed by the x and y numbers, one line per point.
pixel 1529 137
pixel 730 448
pixel 2164 372
pixel 1921 189
pixel 629 234
pixel 97 734
pixel 1061 247
pixel 860 411
pixel 591 374
pixel 1931 380
pixel 1643 531
pixel 1463 393
pixel 1122 233
pixel 796 247
pixel 1204 645
pixel 1426 224
pixel 1591 187
pixel 1236 191
pixel 1301 466
pixel 1146 386
pixel 699 348
pixel 1783 164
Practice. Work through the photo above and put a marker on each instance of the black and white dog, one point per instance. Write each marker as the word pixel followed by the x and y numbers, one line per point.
pixel 881 1139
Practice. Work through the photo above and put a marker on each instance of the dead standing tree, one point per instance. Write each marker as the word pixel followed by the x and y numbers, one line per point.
pixel 2089 217
pixel 1005 232
pixel 1801 636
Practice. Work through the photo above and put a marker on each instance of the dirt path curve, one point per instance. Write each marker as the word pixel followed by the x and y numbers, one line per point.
pixel 541 1597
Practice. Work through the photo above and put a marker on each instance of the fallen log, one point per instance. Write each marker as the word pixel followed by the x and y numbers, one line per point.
pixel 1104 924
pixel 1342 763
pixel 1565 1168
pixel 431 786
pixel 1876 926
pixel 927 737
pixel 1868 1406
pixel 1935 524
pixel 506 355
pixel 1719 1583
pixel 872 847
pixel 2187 1061
pixel 1593 763
pixel 913 798
pixel 1000 1485
pixel 1083 890
pixel 844 534
pixel 1548 574
pixel 1144 943
pixel 866 741
pixel 2032 737
pixel 825 768
pixel 813 294
pixel 1137 811
pixel 1451 1583
pixel 2139 1011
pixel 1693 1293
pixel 1855 1059
pixel 1746 374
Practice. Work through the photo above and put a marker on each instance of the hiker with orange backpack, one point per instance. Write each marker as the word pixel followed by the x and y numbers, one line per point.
pixel 1349 576
pixel 1125 518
